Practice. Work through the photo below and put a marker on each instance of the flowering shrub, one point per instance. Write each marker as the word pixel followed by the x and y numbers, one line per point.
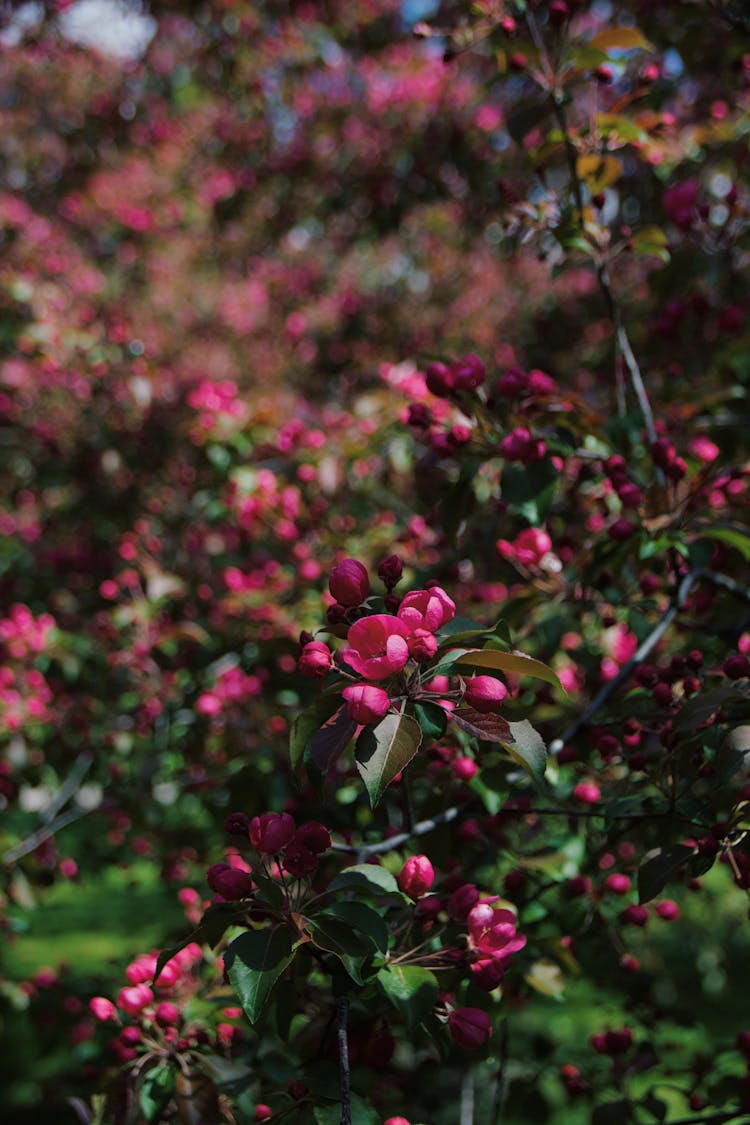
pixel 448 319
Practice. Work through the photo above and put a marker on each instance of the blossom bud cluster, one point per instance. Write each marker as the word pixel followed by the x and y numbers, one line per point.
pixel 271 834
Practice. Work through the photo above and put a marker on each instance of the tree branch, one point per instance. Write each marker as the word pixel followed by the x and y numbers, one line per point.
pixel 342 1011
pixel 419 829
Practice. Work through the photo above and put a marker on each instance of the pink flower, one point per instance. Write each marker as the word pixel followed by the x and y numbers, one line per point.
pixel 493 933
pixel 102 1008
pixel 470 1027
pixel 484 693
pixel 377 646
pixel 416 876
pixel 365 703
pixel 422 645
pixel 349 582
pixel 427 609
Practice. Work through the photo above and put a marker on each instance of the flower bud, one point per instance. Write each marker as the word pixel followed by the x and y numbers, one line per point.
pixel 271 832
pixel 484 693
pixel 462 901
pixel 470 1027
pixel 468 373
pixel 102 1008
pixel 416 876
pixel 349 582
pixel 229 882
pixel 167 1015
pixel 422 645
pixel 439 379
pixel 587 792
pixel 366 704
pixel 299 861
pixel 133 1000
pixel 315 660
pixel 236 824
pixel 314 836
pixel 390 571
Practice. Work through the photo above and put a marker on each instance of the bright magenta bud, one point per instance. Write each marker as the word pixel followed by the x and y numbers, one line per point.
pixel 396 1121
pixel 618 883
pixel 271 832
pixel 133 1000
pixel 366 704
pixel 102 1008
pixel 635 915
pixel 377 646
pixel 587 792
pixel 314 836
pixel 464 769
pixel 315 660
pixel 229 882
pixel 167 1015
pixel 263 1113
pixel 470 1027
pixel 484 693
pixel 349 582
pixel 668 910
pixel 416 876
pixel 422 645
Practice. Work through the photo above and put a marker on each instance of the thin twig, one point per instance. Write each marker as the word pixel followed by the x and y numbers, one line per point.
pixel 651 641
pixel 419 829
pixel 32 842
pixel 342 1011
pixel 70 786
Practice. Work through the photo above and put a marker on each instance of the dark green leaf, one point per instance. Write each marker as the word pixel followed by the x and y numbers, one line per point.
pixel 363 919
pixel 362 1113
pixel 382 751
pixel 306 725
pixel 655 1106
pixel 270 891
pixel 412 990
pixel 658 867
pixel 209 931
pixel 530 489
pixel 352 948
pixel 432 719
pixel 254 961
pixel 156 1088
pixel 612 1113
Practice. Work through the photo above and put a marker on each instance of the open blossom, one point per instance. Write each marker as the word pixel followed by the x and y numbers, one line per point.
pixel 271 832
pixel 470 1027
pixel 492 932
pixel 377 646
pixel 427 609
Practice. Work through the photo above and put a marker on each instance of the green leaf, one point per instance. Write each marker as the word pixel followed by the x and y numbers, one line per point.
pixel 736 537
pixel 432 719
pixel 464 629
pixel 271 891
pixel 658 867
pixel 527 749
pixel 362 918
pixel 305 726
pixel 517 663
pixel 612 1113
pixel 209 931
pixel 411 989
pixel 530 489
pixel 365 877
pixel 156 1087
pixel 254 961
pixel 382 751
pixel 337 937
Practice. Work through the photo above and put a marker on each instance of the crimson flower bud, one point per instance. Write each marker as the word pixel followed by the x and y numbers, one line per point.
pixel 299 860
pixel 618 883
pixel 262 1112
pixel 229 882
pixel 315 660
pixel 462 901
pixel 396 1121
pixel 349 582
pixel 487 973
pixel 133 1000
pixel 464 769
pixel 668 910
pixel 271 832
pixel 470 1027
pixel 484 693
pixel 439 379
pixel 366 703
pixel 621 530
pixel 390 571
pixel 314 836
pixel 587 792
pixel 236 824
pixel 513 383
pixel 468 373
pixel 416 876
pixel 635 915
